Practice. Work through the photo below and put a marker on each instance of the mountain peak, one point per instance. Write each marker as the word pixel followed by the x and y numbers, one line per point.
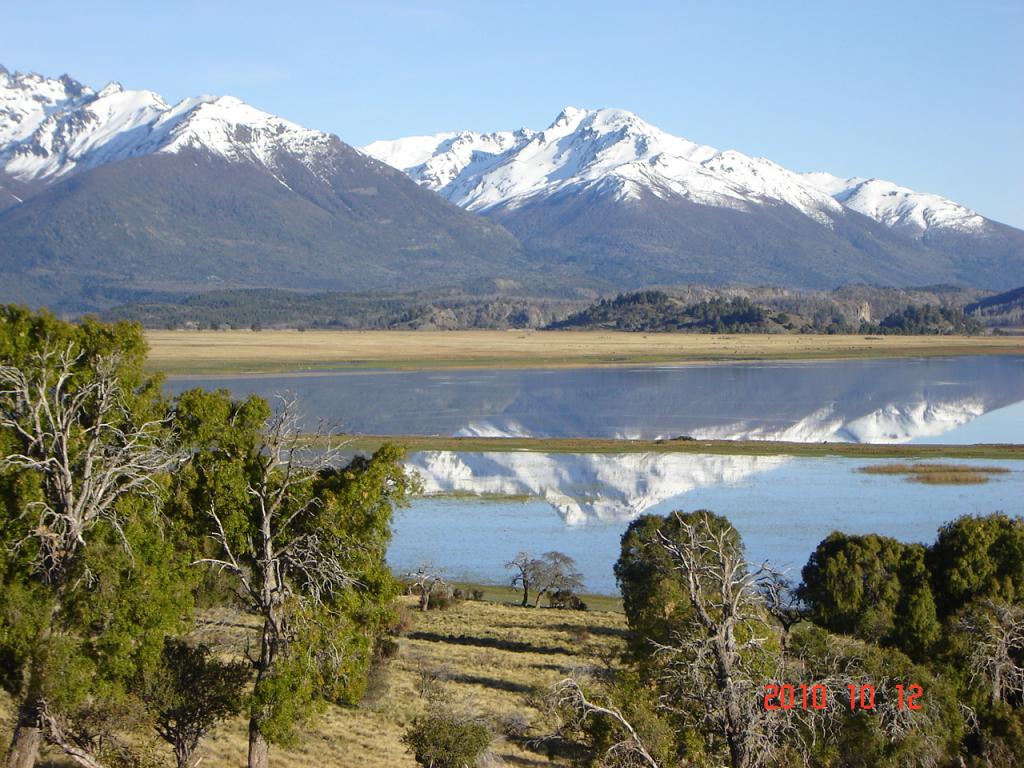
pixel 109 89
pixel 569 116
pixel 71 86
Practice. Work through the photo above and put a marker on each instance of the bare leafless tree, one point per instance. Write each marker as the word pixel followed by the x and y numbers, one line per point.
pixel 523 568
pixel 996 633
pixel 77 433
pixel 549 573
pixel 289 569
pixel 782 601
pixel 720 665
pixel 556 572
pixel 426 581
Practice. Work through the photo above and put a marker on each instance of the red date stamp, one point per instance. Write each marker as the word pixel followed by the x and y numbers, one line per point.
pixel 819 697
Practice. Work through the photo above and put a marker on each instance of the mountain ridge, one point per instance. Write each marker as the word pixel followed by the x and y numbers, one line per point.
pixel 112 195
pixel 678 206
pixel 727 178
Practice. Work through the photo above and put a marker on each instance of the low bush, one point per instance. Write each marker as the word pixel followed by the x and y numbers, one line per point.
pixel 566 599
pixel 444 739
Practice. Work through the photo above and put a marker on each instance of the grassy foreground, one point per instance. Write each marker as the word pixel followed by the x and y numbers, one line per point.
pixel 368 443
pixel 490 659
pixel 222 352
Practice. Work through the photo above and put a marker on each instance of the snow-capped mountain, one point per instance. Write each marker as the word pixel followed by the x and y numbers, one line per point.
pixel 611 151
pixel 107 194
pixel 618 153
pixel 51 128
pixel 111 194
pixel 670 205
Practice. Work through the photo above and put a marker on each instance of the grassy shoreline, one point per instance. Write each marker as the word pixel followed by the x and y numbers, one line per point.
pixel 713 447
pixel 213 353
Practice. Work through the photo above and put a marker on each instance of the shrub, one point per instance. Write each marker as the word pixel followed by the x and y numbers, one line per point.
pixel 566 599
pixel 440 602
pixel 403 621
pixel 387 648
pixel 446 740
pixel 515 725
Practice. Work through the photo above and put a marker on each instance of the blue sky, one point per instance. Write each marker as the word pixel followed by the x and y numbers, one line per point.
pixel 927 94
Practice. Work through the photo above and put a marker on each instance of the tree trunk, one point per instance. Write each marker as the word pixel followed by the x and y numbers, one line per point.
pixel 186 754
pixel 526 595
pixel 259 749
pixel 28 733
pixel 24 750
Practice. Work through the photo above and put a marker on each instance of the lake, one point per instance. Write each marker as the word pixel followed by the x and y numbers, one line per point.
pixel 580 504
pixel 482 508
pixel 873 401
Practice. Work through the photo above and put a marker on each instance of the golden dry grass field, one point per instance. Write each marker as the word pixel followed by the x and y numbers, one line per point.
pixel 211 352
pixel 488 659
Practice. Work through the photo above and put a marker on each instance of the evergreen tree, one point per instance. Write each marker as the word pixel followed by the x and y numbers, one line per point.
pixel 303 544
pixel 93 583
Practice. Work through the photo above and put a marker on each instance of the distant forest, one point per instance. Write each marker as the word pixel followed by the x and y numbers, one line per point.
pixel 655 311
pixel 693 309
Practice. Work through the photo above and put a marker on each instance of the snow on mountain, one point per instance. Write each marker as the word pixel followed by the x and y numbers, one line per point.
pixel 106 194
pixel 613 151
pixel 26 100
pixel 50 128
pixel 610 150
pixel 438 161
pixel 897 206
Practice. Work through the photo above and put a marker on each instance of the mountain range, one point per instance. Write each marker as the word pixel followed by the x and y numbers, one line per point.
pixel 115 195
pixel 620 198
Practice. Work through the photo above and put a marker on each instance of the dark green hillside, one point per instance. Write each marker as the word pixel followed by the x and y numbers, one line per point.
pixel 654 241
pixel 929 319
pixel 657 311
pixel 192 222
pixel 260 308
pixel 1000 310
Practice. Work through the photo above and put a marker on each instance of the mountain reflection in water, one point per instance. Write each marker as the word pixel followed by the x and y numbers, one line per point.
pixel 896 400
pixel 583 487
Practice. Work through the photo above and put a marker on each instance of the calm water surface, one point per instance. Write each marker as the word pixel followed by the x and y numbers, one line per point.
pixel 858 400
pixel 782 507
pixel 581 503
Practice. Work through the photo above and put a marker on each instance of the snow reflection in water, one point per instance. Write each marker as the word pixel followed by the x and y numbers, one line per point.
pixel 782 506
pixel 854 400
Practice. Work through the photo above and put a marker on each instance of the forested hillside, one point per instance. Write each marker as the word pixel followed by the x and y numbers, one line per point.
pixel 656 311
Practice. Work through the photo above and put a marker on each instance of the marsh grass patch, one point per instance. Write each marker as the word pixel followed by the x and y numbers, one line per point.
pixel 937 474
